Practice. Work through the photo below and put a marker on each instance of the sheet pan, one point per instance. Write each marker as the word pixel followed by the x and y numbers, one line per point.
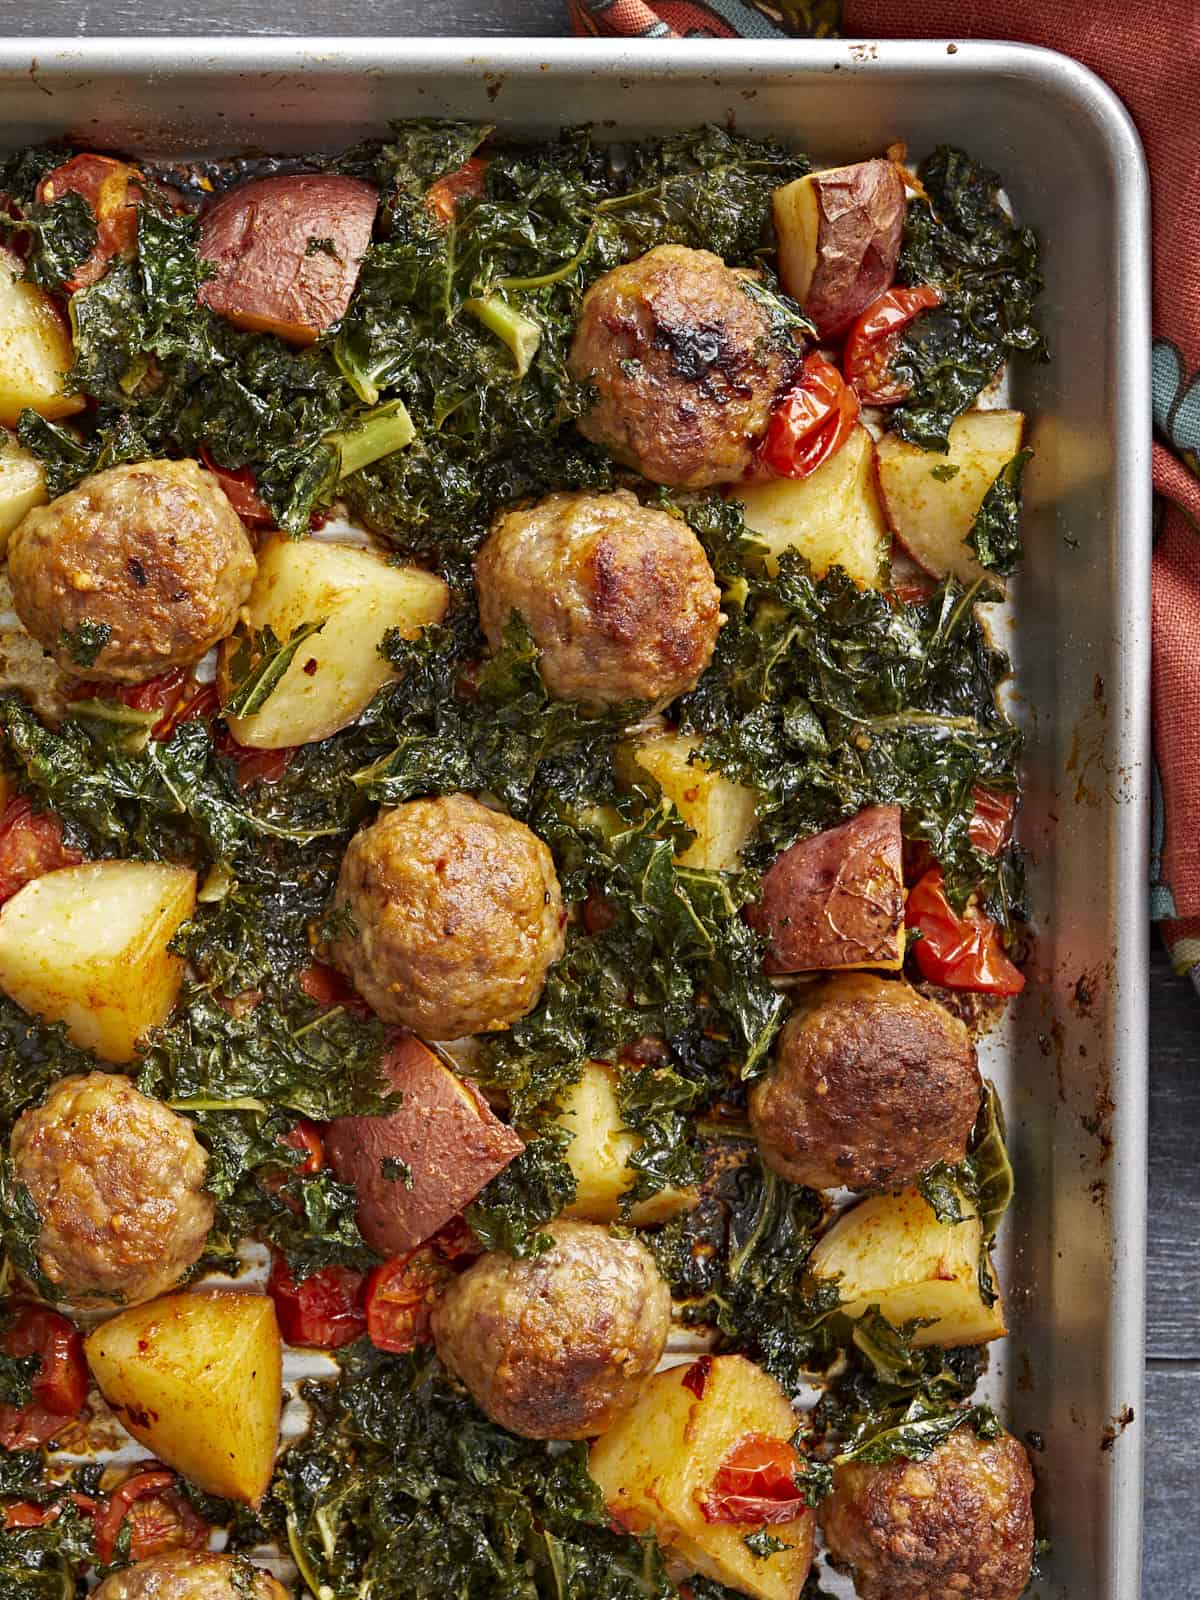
pixel 1072 1060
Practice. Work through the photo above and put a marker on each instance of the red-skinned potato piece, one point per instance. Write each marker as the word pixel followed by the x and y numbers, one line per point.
pixel 839 235
pixel 286 251
pixel 836 900
pixel 445 1143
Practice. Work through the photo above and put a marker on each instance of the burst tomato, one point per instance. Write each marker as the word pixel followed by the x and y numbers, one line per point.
pixel 990 828
pixel 159 1515
pixel 59 1385
pixel 871 343
pixel 241 490
pixel 811 422
pixel 756 1482
pixel 327 987
pixel 400 1296
pixel 304 1136
pixel 959 952
pixel 165 693
pixel 25 1514
pixel 112 190
pixel 323 1311
pixel 465 182
pixel 30 845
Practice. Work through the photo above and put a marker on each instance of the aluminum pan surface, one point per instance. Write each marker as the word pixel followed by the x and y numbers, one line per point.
pixel 1072 1064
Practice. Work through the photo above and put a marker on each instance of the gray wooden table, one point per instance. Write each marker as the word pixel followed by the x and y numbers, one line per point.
pixel 1172 1562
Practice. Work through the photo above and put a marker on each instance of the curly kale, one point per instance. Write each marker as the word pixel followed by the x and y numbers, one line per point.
pixel 959 238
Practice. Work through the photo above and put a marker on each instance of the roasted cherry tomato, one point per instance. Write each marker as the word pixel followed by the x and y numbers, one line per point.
pixel 304 1136
pixel 160 1518
pixel 323 1311
pixel 25 1514
pixel 756 1482
pixel 112 189
pixel 400 1296
pixel 30 845
pixel 990 828
pixel 811 422
pixel 241 490
pixel 327 987
pixel 871 343
pixel 957 952
pixel 165 693
pixel 258 766
pixel 441 198
pixel 59 1385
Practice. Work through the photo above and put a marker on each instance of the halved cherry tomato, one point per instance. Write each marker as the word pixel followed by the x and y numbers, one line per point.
pixel 871 343
pixel 30 845
pixel 112 189
pixel 324 1311
pixel 241 490
pixel 756 1482
pixel 957 952
pixel 990 828
pixel 811 422
pixel 327 987
pixel 304 1136
pixel 24 1514
pixel 441 198
pixel 400 1296
pixel 160 1518
pixel 59 1385
pixel 455 1240
pixel 259 766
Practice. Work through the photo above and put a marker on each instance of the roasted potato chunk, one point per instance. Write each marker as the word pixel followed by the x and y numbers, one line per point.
pixel 832 517
pixel 839 234
pixel 36 351
pixel 22 484
pixel 89 946
pixel 659 1464
pixel 196 1378
pixel 891 1251
pixel 287 250
pixel 442 1133
pixel 718 811
pixel 932 500
pixel 836 900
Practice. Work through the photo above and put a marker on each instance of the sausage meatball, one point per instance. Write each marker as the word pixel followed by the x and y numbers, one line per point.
pixel 456 916
pixel 118 1181
pixel 870 1084
pixel 685 364
pixel 556 1346
pixel 958 1526
pixel 191 1575
pixel 619 598
pixel 135 570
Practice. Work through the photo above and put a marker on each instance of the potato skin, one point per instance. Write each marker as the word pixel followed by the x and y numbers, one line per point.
pixel 685 363
pixel 118 1180
pixel 458 916
pixel 836 899
pixel 191 1575
pixel 443 1131
pixel 556 1346
pixel 870 1084
pixel 153 550
pixel 955 1526
pixel 270 278
pixel 860 227
pixel 620 598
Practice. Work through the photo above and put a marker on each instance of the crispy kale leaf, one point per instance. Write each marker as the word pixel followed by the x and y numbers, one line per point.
pixel 403 1489
pixel 828 698
pixel 995 534
pixel 961 240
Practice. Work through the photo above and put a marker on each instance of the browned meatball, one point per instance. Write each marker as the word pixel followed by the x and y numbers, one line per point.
pixel 457 916
pixel 871 1083
pixel 557 1346
pixel 191 1575
pixel 685 363
pixel 958 1526
pixel 619 598
pixel 152 553
pixel 118 1181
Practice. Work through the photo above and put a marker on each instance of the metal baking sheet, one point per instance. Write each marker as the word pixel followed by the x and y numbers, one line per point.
pixel 1071 1060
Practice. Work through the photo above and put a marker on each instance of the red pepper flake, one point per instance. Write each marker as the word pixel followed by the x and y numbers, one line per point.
pixel 696 1376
